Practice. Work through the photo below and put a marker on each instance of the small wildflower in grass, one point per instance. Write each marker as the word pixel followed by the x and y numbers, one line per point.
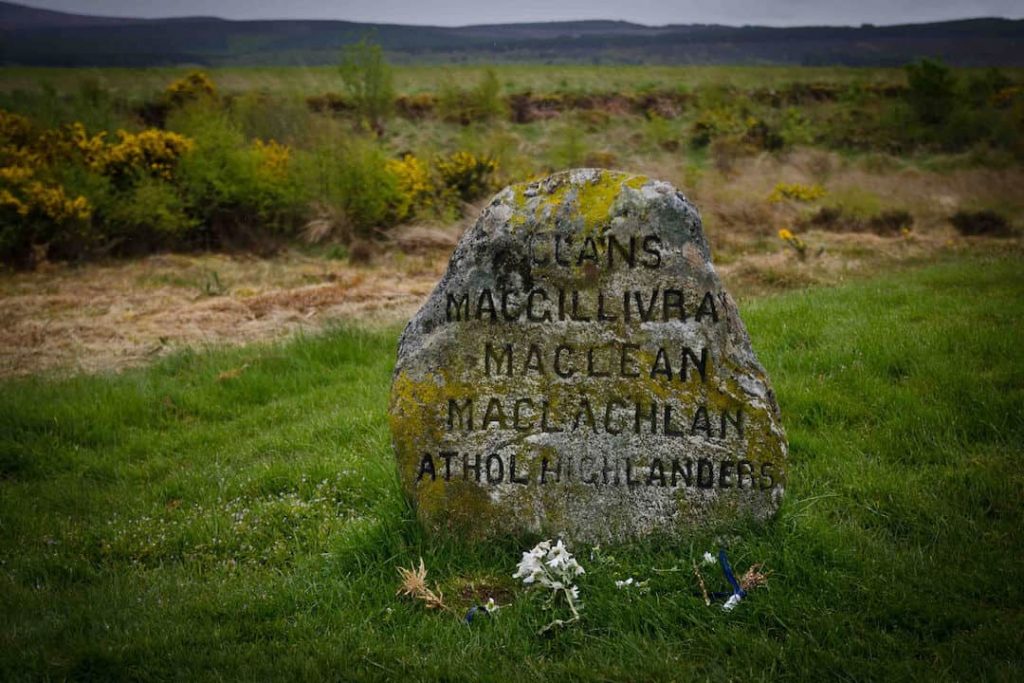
pixel 554 567
pixel 795 242
pixel 633 585
pixel 709 559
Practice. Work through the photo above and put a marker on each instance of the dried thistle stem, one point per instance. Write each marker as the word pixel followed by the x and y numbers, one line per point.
pixel 703 587
pixel 414 585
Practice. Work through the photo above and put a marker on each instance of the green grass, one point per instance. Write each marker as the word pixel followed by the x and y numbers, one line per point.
pixel 413 79
pixel 165 523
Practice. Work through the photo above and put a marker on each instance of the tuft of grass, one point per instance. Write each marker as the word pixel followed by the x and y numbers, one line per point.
pixel 236 514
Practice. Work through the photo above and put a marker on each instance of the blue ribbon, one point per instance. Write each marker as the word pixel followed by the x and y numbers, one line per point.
pixel 729 576
pixel 723 560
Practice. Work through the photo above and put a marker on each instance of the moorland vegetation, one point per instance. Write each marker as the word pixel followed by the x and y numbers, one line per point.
pixel 103 169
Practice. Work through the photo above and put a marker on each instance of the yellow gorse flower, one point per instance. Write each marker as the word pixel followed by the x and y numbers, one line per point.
pixel 14 128
pixel 153 151
pixel 416 188
pixel 466 174
pixel 194 86
pixel 274 156
pixel 28 158
pixel 796 192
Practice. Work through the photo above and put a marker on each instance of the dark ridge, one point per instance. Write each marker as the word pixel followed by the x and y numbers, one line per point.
pixel 35 37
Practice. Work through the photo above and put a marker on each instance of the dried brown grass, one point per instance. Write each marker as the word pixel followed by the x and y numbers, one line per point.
pixel 104 317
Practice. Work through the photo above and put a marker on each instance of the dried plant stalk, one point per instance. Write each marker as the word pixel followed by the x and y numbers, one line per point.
pixel 414 585
pixel 754 577
pixel 703 588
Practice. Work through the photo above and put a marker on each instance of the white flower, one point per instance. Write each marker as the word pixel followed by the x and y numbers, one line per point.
pixel 574 591
pixel 491 606
pixel 709 558
pixel 624 584
pixel 558 554
pixel 731 603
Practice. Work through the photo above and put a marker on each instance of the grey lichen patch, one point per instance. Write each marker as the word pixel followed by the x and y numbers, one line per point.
pixel 580 371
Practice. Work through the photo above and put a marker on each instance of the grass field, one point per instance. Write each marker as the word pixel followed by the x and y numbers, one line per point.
pixel 236 514
pixel 414 79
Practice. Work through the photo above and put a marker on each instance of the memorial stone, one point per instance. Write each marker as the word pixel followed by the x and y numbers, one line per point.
pixel 580 371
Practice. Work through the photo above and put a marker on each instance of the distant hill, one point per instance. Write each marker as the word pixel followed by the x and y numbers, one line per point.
pixel 30 36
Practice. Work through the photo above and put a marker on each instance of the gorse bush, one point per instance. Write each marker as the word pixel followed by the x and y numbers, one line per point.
pixel 417 190
pixel 193 87
pixel 795 192
pixel 34 206
pixel 467 175
pixel 90 171
pixel 235 187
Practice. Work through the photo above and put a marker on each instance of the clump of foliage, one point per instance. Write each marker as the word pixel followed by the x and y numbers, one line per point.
pixel 985 222
pixel 482 102
pixel 932 90
pixel 416 188
pixel 236 187
pixel 193 87
pixel 467 175
pixel 796 192
pixel 891 222
pixel 67 191
pixel 839 219
pixel 368 80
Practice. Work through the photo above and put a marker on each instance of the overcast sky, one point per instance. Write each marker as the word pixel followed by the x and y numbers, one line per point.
pixel 461 12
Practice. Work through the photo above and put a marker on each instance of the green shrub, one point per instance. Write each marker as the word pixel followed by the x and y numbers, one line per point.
pixel 152 213
pixel 270 117
pixel 368 80
pixel 483 102
pixel 932 90
pixel 354 177
pixel 486 97
pixel 662 132
pixel 983 88
pixel 230 183
pixel 569 148
pixel 193 87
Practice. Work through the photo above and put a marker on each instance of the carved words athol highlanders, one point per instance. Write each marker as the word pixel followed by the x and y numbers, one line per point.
pixel 580 370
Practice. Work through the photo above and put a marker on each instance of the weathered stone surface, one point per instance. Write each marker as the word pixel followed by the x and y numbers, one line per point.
pixel 580 370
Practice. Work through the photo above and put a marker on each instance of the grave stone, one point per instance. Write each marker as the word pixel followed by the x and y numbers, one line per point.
pixel 580 371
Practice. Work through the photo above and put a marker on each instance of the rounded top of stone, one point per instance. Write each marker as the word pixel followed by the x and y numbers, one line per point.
pixel 589 193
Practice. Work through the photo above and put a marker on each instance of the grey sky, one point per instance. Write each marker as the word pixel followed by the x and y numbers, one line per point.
pixel 461 12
